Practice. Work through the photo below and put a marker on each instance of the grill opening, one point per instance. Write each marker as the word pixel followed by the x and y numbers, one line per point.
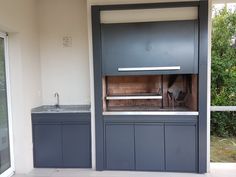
pixel 150 93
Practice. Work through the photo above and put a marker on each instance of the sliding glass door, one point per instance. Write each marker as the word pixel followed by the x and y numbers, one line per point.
pixel 5 157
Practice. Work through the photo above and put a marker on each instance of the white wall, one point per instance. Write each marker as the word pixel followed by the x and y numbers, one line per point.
pixel 64 69
pixel 36 28
pixel 19 19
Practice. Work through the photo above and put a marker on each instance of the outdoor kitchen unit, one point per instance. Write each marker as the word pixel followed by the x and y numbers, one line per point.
pixel 150 87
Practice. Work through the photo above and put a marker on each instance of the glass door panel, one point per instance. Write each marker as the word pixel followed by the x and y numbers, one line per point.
pixel 5 162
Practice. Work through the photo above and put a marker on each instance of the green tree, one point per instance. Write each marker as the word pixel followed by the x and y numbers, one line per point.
pixel 223 81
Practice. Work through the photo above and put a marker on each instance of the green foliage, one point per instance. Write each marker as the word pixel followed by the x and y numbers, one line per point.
pixel 223 124
pixel 223 59
pixel 223 81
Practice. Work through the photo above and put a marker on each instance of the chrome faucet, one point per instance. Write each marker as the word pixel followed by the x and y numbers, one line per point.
pixel 57 105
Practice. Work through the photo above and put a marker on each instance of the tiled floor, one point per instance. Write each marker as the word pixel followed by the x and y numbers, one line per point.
pixel 217 170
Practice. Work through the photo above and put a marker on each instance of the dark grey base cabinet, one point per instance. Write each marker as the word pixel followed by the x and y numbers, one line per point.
pixel 151 146
pixel 120 147
pixel 76 145
pixel 180 148
pixel 61 140
pixel 47 145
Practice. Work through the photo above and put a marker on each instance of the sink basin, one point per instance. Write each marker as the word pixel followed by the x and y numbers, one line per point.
pixel 55 110
pixel 61 109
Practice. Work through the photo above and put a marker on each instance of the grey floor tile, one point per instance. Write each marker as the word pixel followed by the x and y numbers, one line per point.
pixel 217 170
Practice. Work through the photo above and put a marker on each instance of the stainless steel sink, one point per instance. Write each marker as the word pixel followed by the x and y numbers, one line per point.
pixel 55 110
pixel 61 109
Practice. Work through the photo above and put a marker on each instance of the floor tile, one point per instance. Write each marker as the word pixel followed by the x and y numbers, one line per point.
pixel 217 170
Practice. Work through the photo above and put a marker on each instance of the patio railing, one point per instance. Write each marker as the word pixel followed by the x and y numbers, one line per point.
pixel 223 108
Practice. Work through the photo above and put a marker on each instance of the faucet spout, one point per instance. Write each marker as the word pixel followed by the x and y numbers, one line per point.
pixel 56 95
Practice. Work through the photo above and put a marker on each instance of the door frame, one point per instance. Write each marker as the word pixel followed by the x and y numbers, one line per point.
pixel 9 171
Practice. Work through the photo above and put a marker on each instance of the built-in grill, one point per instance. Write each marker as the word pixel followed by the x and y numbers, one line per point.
pixel 150 93
pixel 147 67
pixel 150 87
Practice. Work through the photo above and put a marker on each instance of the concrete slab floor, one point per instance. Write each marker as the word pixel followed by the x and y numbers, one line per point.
pixel 217 170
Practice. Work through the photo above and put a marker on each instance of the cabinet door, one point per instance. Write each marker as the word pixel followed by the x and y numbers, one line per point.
pixel 149 147
pixel 76 145
pixel 155 44
pixel 119 143
pixel 180 148
pixel 47 145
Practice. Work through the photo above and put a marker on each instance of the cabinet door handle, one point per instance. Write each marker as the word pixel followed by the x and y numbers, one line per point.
pixel 161 68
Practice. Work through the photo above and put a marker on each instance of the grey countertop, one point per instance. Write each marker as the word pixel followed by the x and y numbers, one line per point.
pixel 61 109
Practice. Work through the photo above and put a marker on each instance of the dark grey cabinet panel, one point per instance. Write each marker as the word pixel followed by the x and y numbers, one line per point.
pixel 149 147
pixel 119 142
pixel 62 140
pixel 152 44
pixel 180 144
pixel 47 145
pixel 76 145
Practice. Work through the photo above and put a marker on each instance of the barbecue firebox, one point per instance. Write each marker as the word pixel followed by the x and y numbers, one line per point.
pixel 150 93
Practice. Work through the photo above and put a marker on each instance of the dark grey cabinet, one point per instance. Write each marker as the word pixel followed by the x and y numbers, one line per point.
pixel 76 145
pixel 47 143
pixel 180 144
pixel 163 146
pixel 153 44
pixel 149 147
pixel 62 140
pixel 119 147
